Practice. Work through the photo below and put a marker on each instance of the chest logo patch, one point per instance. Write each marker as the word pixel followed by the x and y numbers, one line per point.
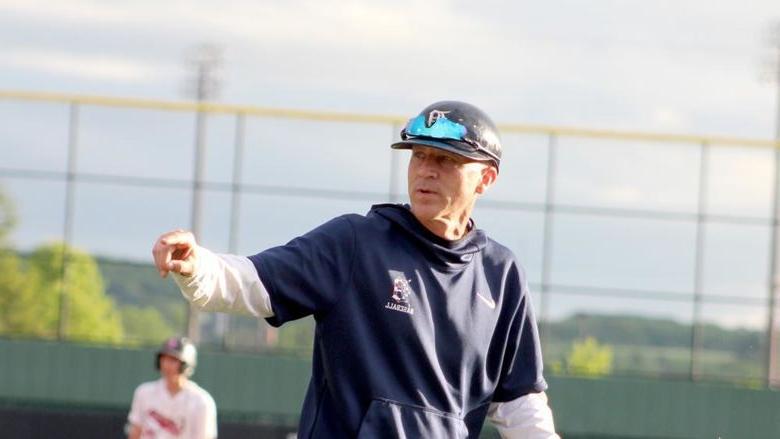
pixel 400 295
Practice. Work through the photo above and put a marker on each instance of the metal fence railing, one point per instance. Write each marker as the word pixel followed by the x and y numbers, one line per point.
pixel 661 248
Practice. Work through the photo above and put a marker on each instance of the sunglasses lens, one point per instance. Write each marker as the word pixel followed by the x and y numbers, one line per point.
pixel 440 128
pixel 455 126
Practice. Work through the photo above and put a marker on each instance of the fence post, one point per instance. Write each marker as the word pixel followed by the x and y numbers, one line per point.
pixel 701 213
pixel 549 210
pixel 67 227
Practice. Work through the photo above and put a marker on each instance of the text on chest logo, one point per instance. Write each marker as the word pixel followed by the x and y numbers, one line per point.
pixel 400 295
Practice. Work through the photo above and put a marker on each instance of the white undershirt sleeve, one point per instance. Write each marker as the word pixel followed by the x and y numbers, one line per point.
pixel 527 417
pixel 226 283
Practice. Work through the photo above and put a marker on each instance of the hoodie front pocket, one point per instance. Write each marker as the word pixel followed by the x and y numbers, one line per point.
pixel 390 419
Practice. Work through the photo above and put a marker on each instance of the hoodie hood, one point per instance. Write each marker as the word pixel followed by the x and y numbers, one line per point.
pixel 452 255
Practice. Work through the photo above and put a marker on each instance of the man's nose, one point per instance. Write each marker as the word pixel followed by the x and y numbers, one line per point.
pixel 428 167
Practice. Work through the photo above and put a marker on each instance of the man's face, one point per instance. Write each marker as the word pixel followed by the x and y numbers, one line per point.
pixel 170 367
pixel 444 184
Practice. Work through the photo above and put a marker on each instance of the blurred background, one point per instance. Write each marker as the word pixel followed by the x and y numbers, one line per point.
pixel 638 188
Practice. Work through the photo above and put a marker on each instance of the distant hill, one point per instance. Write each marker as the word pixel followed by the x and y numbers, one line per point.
pixel 641 330
pixel 135 283
pixel 661 347
pixel 138 284
pixel 641 344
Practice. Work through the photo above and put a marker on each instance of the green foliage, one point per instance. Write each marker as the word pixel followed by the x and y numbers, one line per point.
pixel 139 285
pixel 658 347
pixel 623 329
pixel 89 313
pixel 140 294
pixel 7 217
pixel 31 291
pixel 144 325
pixel 20 310
pixel 631 330
pixel 589 358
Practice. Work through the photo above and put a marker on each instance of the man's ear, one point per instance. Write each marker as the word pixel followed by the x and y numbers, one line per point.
pixel 489 177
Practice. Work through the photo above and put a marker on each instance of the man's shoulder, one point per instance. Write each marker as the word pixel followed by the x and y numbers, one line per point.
pixel 355 222
pixel 499 252
pixel 200 399
pixel 503 258
pixel 147 388
pixel 341 223
pixel 199 393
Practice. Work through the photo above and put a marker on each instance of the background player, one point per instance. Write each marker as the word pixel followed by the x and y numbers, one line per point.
pixel 424 325
pixel 173 406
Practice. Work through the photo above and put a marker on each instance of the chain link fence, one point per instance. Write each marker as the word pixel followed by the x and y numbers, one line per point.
pixel 647 254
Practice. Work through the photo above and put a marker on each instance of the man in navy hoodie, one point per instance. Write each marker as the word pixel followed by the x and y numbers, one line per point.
pixel 424 325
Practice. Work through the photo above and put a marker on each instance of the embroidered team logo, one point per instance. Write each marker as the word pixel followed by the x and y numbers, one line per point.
pixel 434 115
pixel 400 295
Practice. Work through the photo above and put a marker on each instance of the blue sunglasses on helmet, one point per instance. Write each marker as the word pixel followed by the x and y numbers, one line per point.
pixel 436 126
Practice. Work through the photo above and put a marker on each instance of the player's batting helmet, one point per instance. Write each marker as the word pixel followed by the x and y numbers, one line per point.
pixel 182 349
pixel 456 127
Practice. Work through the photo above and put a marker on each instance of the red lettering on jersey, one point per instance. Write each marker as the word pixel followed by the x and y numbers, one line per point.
pixel 166 424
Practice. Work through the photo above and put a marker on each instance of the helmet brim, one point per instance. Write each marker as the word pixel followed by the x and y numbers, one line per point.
pixel 446 146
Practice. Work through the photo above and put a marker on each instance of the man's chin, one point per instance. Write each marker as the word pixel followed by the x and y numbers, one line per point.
pixel 425 209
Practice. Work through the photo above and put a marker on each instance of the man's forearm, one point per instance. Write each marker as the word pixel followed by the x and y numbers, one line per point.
pixel 226 283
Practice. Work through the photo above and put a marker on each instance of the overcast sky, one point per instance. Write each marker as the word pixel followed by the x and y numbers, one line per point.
pixel 690 66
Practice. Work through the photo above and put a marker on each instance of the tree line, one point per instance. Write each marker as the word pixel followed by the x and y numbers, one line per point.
pixel 59 291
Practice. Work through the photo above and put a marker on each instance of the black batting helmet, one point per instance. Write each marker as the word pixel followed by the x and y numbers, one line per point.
pixel 456 127
pixel 182 349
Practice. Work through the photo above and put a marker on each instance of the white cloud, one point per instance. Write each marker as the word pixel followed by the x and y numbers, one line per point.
pixel 628 65
pixel 79 11
pixel 84 66
pixel 740 181
pixel 344 23
pixel 670 119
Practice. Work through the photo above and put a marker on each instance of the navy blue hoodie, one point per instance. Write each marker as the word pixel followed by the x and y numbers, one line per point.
pixel 415 335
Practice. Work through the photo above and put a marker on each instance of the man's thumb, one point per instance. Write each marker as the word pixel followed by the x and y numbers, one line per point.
pixel 185 268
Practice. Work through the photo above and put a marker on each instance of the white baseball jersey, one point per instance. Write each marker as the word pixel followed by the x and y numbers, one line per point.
pixel 189 414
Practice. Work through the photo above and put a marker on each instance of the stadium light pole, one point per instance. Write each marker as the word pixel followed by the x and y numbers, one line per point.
pixel 773 380
pixel 205 59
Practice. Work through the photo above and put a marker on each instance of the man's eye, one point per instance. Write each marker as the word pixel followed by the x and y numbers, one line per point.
pixel 418 155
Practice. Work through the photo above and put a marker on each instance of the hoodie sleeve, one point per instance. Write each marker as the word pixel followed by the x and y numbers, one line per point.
pixel 305 276
pixel 522 368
